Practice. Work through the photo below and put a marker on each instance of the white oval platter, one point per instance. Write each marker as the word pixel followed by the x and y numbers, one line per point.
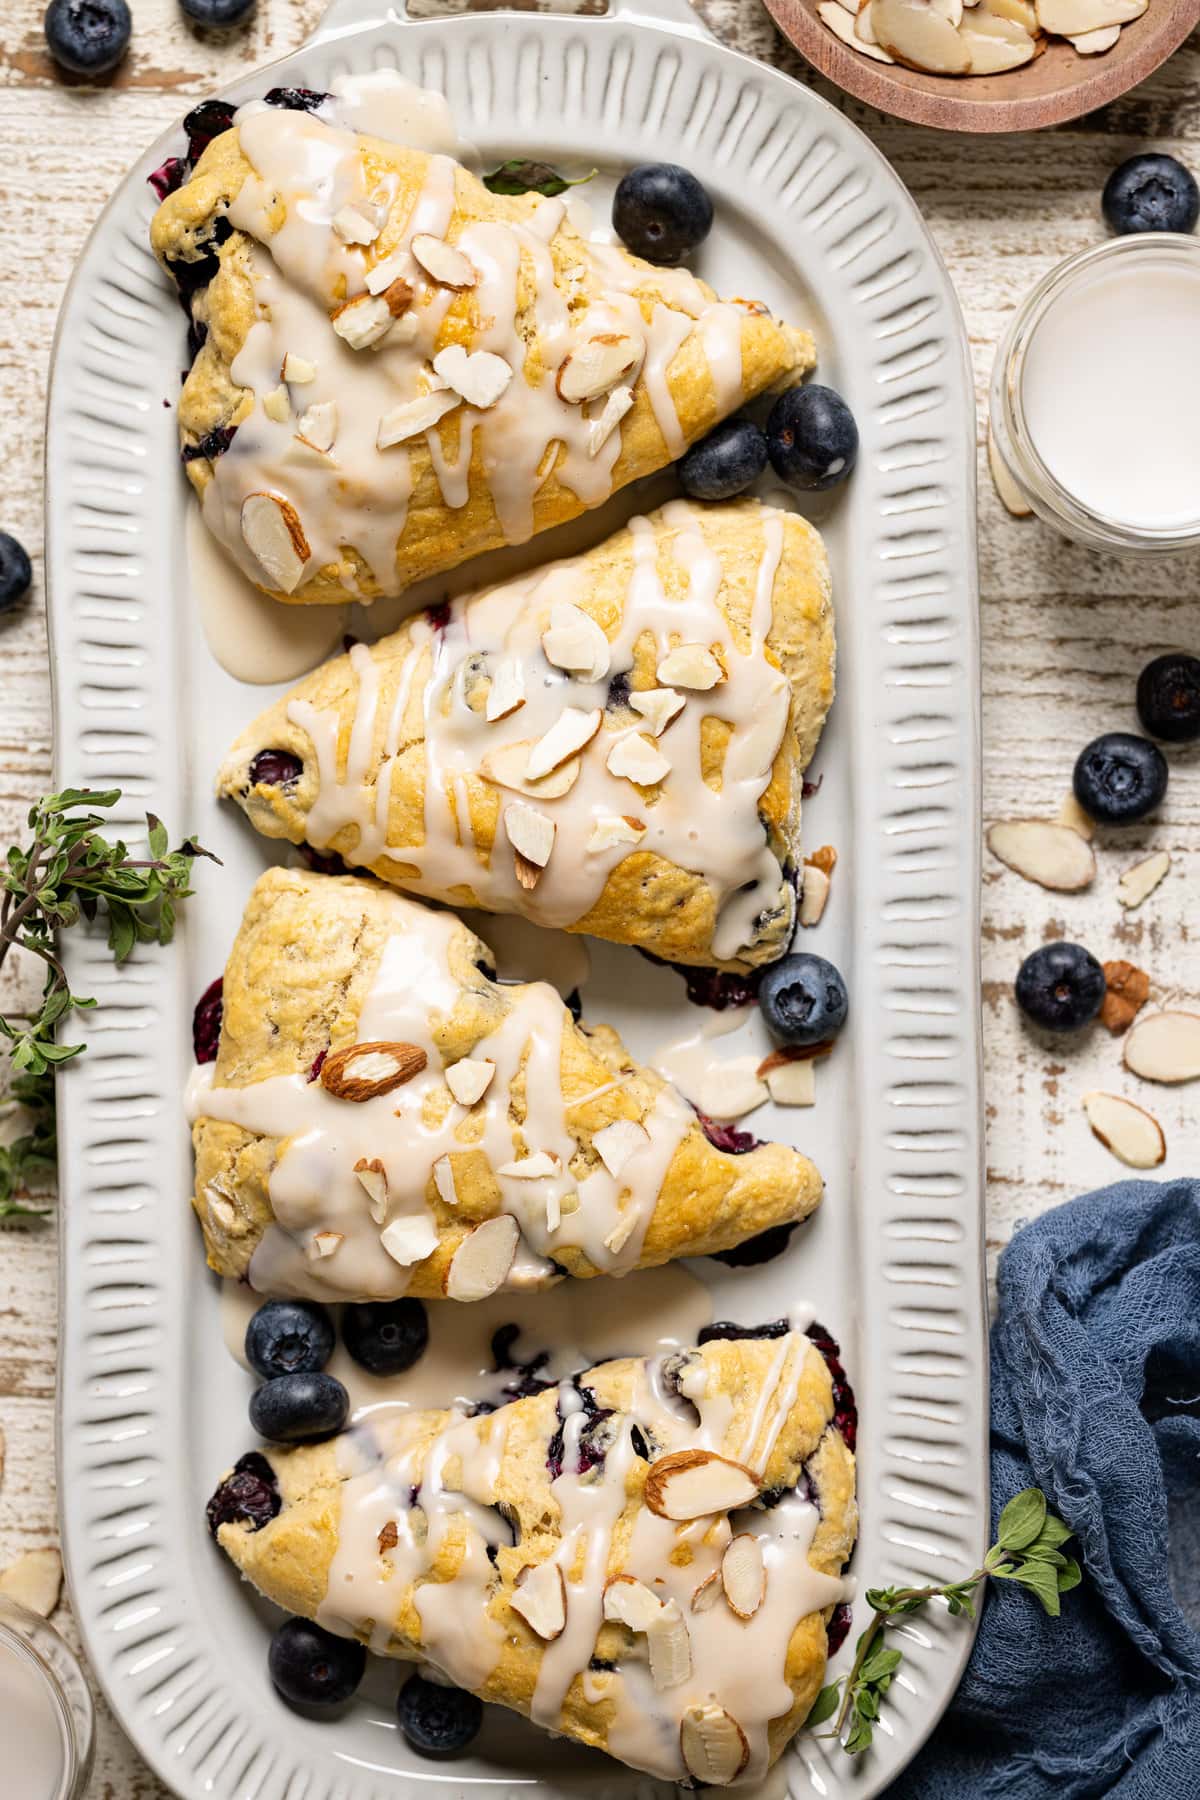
pixel 151 1409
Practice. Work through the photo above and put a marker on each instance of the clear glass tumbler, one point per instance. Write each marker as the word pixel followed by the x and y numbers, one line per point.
pixel 46 1717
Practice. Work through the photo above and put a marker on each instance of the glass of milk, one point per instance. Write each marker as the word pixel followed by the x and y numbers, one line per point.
pixel 45 1711
pixel 1095 402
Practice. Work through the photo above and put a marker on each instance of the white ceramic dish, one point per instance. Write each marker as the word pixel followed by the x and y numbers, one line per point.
pixel 151 1410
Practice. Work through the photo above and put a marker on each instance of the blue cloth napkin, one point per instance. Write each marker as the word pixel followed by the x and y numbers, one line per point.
pixel 1096 1400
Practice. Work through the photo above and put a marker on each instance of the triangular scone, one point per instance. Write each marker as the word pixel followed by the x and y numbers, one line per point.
pixel 673 681
pixel 478 1138
pixel 645 1560
pixel 325 271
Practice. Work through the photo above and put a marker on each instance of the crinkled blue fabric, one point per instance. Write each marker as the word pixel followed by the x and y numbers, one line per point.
pixel 1096 1400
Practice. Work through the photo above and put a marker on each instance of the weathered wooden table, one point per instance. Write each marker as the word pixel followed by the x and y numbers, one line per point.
pixel 1065 631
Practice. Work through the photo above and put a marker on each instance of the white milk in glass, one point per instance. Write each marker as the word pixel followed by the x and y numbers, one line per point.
pixel 32 1732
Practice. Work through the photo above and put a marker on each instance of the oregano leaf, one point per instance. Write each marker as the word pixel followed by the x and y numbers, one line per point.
pixel 823 1707
pixel 519 176
pixel 1022 1520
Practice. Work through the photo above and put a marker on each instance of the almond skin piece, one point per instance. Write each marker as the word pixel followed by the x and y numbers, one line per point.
pixel 363 1071
pixel 1127 991
pixel 689 1484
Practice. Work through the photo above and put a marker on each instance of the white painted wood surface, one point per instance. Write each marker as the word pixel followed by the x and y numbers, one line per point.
pixel 1065 631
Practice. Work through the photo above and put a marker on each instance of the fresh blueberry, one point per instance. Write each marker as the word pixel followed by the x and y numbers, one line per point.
pixel 289 1337
pixel 312 1667
pixel 803 1000
pixel 1120 778
pixel 16 572
pixel 249 1495
pixel 386 1336
pixel 1061 987
pixel 725 462
pixel 221 13
pixel 88 37
pixel 812 439
pixel 1151 193
pixel 275 768
pixel 437 1720
pixel 661 211
pixel 206 1021
pixel 1168 697
pixel 299 1409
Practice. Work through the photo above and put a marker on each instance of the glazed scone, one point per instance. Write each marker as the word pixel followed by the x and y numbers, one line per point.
pixel 477 1137
pixel 615 744
pixel 400 369
pixel 644 1560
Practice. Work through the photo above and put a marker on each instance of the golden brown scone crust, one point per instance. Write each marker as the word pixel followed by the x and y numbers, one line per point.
pixel 300 970
pixel 289 1559
pixel 435 536
pixel 646 900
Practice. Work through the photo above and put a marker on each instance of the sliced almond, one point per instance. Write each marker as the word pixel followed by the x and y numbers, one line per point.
pixel 597 365
pixel 507 692
pixel 614 1144
pixel 1011 497
pixel 705 1597
pixel 1054 856
pixel 1095 43
pixel 743 1571
pixel 637 758
pixel 373 1177
pixel 297 370
pixel 1126 1129
pixel 469 1078
pixel 690 666
pixel 553 1213
pixel 363 321
pixel 507 768
pixel 658 706
pixel 1070 813
pixel 532 1168
pixel 392 269
pixel 478 375
pixel 1138 883
pixel 813 895
pixel 1164 1047
pixel 614 829
pixel 540 1596
pixel 995 44
pixel 670 1647
pixel 448 266
pixel 481 1263
pixel 528 873
pixel 358 225
pixel 793 1083
pixel 618 403
pixel 842 26
pixel 322 1244
pixel 622 1231
pixel 712 1743
pixel 274 536
pixel 364 1071
pixel 1074 18
pixel 690 1484
pixel 443 1181
pixel 277 405
pixel 920 37
pixel 573 641
pixel 1127 988
pixel 530 832
pixel 629 1602
pixel 566 738
pixel 34 1581
pixel 414 417
pixel 410 1238
pixel 318 424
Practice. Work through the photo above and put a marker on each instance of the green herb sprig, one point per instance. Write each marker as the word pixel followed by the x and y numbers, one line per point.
pixel 69 872
pixel 1028 1550
pixel 521 177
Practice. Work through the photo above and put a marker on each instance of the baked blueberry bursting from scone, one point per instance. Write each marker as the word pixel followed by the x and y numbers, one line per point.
pixel 717 988
pixel 734 1143
pixel 275 768
pixel 204 123
pixel 249 1495
pixel 526 1376
pixel 845 1409
pixel 206 1021
pixel 295 99
pixel 214 443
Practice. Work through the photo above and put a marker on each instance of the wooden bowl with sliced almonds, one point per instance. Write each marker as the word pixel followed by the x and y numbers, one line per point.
pixel 995 65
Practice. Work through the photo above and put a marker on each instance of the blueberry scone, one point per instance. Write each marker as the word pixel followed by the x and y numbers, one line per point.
pixel 383 1118
pixel 644 1559
pixel 398 369
pixel 615 744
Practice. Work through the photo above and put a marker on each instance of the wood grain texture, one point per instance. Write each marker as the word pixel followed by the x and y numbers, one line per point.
pixel 1064 631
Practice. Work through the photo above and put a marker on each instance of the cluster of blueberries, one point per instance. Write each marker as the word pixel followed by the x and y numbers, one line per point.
pixel 1120 778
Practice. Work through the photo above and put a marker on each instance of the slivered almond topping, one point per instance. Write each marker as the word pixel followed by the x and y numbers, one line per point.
pixel 414 417
pixel 389 1537
pixel 615 829
pixel 566 738
pixel 658 706
pixel 410 1238
pixel 358 225
pixel 318 424
pixel 530 832
pixel 629 1602
pixel 574 642
pixel 1055 856
pixel 637 758
pixel 297 370
pixel 277 405
pixel 793 1084
pixel 534 1167
pixel 618 403
pixel 1164 1047
pixel 690 1484
pixel 705 1597
pixel 622 1231
pixel 540 1596
pixel 363 321
pixel 614 1144
pixel 712 1743
pixel 507 766
pixel 743 1572
pixel 391 269
pixel 448 266
pixel 1138 883
pixel 670 1647
pixel 917 35
pixel 690 666
pixel 322 1244
pixel 469 1078
pixel 1126 1129
pixel 364 1071
pixel 478 375
pixel 507 692
pixel 597 365
pixel 274 536
pixel 814 892
pixel 1072 814
pixel 443 1181
pixel 481 1263
pixel 1126 992
pixel 373 1177
pixel 34 1581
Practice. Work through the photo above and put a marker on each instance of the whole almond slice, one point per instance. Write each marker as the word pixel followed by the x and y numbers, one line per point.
pixel 274 536
pixel 992 51
pixel 1139 882
pixel 410 1238
pixel 540 1596
pixel 690 1484
pixel 614 1144
pixel 414 417
pixel 629 1602
pixel 1126 1129
pixel 793 1083
pixel 479 376
pixel 481 1263
pixel 705 1597
pixel 448 266
pixel 690 666
pixel 917 35
pixel 573 641
pixel 506 768
pixel 713 1745
pixel 530 832
pixel 1073 18
pixel 566 738
pixel 743 1571
pixel 1054 856
pixel 373 1177
pixel 635 757
pixel 658 706
pixel 34 1580
pixel 1095 43
pixel 670 1647
pixel 469 1078
pixel 1164 1047
pixel 597 365
pixel 365 1071
pixel 1070 813
pixel 843 26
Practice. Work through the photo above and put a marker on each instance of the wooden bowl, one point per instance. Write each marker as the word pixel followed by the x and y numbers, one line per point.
pixel 1056 86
